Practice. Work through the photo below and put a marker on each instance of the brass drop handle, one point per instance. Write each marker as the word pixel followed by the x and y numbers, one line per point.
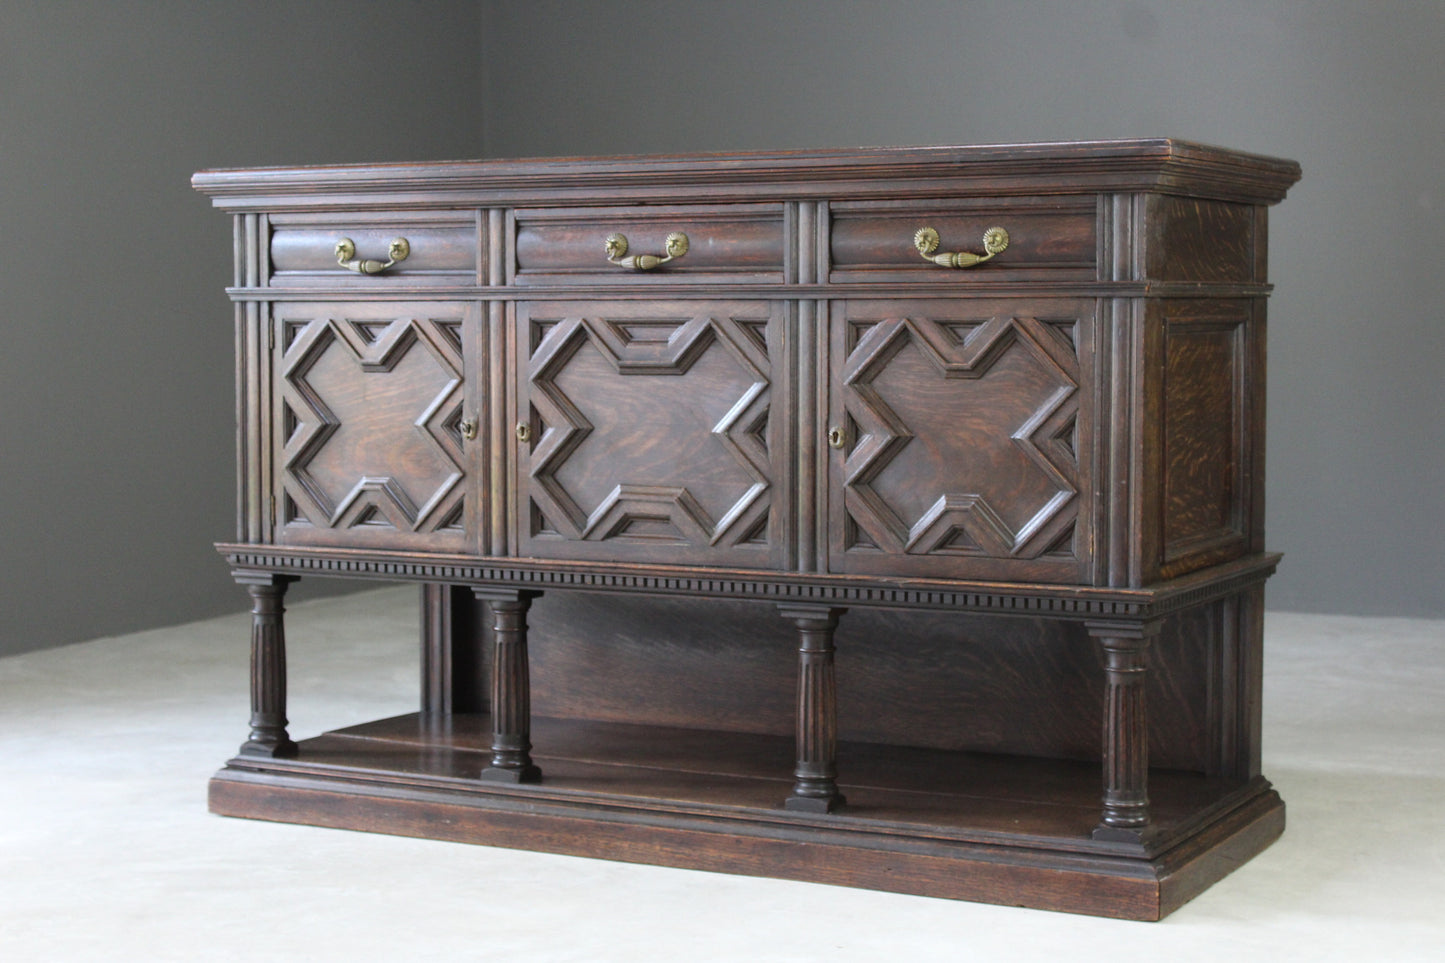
pixel 675 244
pixel 399 250
pixel 469 429
pixel 995 239
pixel 524 432
pixel 835 437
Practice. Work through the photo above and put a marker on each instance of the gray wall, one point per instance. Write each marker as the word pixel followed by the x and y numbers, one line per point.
pixel 116 384
pixel 1351 90
pixel 115 373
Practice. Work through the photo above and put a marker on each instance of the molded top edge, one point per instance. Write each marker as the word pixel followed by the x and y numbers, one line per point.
pixel 1140 164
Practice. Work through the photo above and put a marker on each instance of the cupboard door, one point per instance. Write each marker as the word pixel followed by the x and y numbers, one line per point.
pixel 961 438
pixel 646 431
pixel 372 410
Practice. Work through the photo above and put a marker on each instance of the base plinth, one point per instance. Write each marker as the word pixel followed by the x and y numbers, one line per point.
pixel 992 829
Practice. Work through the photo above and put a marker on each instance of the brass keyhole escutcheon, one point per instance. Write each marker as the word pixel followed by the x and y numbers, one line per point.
pixel 469 429
pixel 835 438
pixel 524 432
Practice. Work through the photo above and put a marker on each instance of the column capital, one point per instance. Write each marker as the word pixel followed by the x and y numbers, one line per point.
pixel 1134 633
pixel 501 593
pixel 806 612
pixel 251 576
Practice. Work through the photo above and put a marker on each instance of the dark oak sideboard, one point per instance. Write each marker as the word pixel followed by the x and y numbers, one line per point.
pixel 890 518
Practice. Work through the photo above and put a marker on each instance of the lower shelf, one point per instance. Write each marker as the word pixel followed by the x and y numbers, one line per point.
pixel 1006 830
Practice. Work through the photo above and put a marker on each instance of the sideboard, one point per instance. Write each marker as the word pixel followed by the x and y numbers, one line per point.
pixel 889 517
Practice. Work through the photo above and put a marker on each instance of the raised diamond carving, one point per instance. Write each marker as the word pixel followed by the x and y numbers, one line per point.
pixel 914 417
pixel 370 411
pixel 682 460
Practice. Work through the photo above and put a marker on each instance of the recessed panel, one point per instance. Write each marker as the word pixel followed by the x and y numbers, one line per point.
pixel 1205 488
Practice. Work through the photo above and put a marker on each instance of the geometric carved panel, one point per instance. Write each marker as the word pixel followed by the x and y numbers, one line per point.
pixel 962 438
pixel 371 399
pixel 650 429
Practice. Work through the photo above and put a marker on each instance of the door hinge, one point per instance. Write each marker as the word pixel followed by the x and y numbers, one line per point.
pixel 271 509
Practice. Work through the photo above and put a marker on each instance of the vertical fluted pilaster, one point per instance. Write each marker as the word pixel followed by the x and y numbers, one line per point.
pixel 815 786
pixel 511 688
pixel 454 656
pixel 268 666
pixel 1125 650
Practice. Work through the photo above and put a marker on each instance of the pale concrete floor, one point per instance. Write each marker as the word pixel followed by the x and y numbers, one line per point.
pixel 107 852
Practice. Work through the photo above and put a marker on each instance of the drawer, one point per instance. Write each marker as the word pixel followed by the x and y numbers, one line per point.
pixel 1048 238
pixel 442 248
pixel 733 243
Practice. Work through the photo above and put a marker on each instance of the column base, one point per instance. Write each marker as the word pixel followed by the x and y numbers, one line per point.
pixel 1141 836
pixel 526 774
pixel 283 749
pixel 815 804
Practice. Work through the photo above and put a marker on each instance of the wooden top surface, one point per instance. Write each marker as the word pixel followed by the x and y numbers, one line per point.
pixel 1156 164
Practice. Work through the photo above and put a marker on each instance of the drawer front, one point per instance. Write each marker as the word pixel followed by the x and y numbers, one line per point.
pixel 961 439
pixel 369 418
pixel 735 243
pixel 646 433
pixel 442 249
pixel 1052 239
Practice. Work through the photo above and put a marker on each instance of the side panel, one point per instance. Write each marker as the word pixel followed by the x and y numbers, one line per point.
pixel 1205 433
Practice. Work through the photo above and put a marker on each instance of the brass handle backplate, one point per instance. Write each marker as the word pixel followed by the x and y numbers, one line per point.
pixel 524 432
pixel 469 429
pixel 995 239
pixel 835 438
pixel 398 250
pixel 675 244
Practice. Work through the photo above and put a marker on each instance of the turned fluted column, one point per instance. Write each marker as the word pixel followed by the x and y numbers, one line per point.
pixel 511 688
pixel 268 665
pixel 1124 647
pixel 815 786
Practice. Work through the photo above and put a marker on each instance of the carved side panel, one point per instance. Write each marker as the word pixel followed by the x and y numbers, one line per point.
pixel 647 431
pixel 966 430
pixel 1206 448
pixel 369 404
